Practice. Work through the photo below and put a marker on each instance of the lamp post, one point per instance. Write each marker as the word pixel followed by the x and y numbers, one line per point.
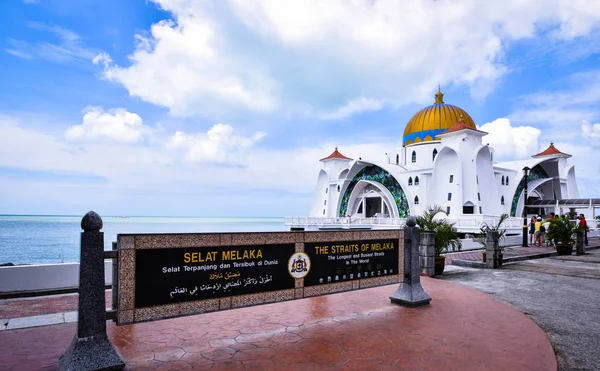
pixel 525 175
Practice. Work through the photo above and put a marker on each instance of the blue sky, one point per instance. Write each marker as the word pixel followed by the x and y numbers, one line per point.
pixel 223 108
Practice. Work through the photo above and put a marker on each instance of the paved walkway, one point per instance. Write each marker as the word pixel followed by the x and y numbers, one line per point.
pixel 560 293
pixel 513 253
pixel 462 329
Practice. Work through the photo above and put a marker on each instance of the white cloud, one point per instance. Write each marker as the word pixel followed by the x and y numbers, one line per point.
pixel 353 107
pixel 591 132
pixel 68 48
pixel 156 179
pixel 269 55
pixel 218 145
pixel 19 52
pixel 117 124
pixel 180 67
pixel 558 112
pixel 511 143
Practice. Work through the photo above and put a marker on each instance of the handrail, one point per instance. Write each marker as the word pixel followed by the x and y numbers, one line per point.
pixel 474 222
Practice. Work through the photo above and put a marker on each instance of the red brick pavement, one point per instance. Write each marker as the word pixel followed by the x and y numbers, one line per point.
pixel 357 330
pixel 25 307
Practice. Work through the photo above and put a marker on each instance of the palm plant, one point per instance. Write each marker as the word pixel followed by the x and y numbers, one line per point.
pixel 561 231
pixel 446 237
pixel 493 228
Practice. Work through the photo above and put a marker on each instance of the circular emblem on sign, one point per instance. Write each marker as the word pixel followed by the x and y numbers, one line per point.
pixel 299 265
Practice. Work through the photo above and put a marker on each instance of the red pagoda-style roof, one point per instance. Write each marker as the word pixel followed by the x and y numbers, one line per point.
pixel 551 151
pixel 460 125
pixel 336 155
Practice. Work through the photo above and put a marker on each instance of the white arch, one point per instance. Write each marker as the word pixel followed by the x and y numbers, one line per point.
pixel 356 197
pixel 447 162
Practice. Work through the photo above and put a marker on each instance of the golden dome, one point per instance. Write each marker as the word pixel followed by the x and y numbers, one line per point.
pixel 426 124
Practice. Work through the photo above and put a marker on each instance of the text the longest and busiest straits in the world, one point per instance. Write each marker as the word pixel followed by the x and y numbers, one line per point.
pixel 33 239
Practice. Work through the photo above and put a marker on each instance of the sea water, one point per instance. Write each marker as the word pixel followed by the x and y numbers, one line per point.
pixel 29 239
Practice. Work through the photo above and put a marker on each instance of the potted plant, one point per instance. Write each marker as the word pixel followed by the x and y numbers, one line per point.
pixel 560 231
pixel 446 237
pixel 485 228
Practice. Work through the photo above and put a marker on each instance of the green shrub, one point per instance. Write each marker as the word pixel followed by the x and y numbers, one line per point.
pixel 446 237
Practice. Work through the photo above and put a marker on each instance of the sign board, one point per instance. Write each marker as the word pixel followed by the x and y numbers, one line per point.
pixel 351 260
pixel 168 276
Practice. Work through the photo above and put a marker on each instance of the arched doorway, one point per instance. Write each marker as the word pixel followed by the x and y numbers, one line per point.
pixel 371 200
pixel 386 185
pixel 468 208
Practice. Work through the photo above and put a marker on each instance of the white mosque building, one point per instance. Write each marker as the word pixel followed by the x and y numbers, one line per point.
pixel 442 161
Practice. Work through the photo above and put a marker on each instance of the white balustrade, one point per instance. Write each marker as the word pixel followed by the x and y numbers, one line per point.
pixel 472 224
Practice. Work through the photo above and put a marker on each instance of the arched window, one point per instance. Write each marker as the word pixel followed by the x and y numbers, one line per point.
pixel 416 200
pixel 326 190
pixel 502 200
pixel 338 188
pixel 507 180
pixel 397 159
pixel 325 203
pixel 410 181
pixel 414 156
pixel 434 154
pixel 502 179
pixel 416 180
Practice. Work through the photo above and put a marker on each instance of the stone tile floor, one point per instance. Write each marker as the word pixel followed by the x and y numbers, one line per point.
pixel 462 329
pixel 513 252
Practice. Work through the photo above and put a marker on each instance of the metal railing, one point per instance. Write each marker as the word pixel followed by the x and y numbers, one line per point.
pixel 492 220
pixel 323 221
pixel 474 222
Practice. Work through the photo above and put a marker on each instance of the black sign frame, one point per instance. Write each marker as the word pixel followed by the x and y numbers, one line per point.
pixel 177 275
pixel 340 261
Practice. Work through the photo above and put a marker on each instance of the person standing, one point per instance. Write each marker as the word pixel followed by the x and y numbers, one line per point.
pixel 531 230
pixel 583 227
pixel 538 231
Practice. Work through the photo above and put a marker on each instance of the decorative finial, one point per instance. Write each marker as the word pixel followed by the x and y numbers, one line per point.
pixel 411 221
pixel 335 149
pixel 551 144
pixel 91 222
pixel 439 96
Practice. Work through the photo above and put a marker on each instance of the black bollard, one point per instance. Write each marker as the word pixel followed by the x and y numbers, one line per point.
pixel 410 293
pixel 91 349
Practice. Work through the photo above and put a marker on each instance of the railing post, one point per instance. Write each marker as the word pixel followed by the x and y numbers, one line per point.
pixel 91 349
pixel 492 250
pixel 115 278
pixel 427 253
pixel 410 292
pixel 579 250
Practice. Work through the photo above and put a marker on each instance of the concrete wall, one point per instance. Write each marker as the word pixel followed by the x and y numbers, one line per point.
pixel 45 277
